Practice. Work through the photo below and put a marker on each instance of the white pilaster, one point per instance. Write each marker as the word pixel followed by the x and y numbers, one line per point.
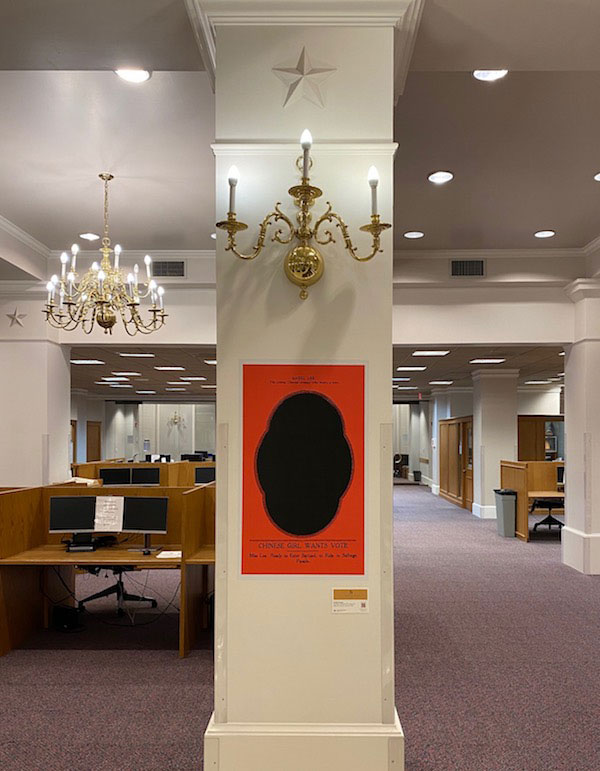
pixel 581 534
pixel 414 441
pixel 495 433
pixel 285 697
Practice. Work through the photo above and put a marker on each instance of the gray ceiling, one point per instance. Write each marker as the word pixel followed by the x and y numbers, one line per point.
pixel 524 150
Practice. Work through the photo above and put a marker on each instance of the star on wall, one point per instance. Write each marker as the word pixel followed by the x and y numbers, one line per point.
pixel 304 80
pixel 15 318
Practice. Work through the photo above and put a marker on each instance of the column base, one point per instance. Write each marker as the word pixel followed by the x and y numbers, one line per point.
pixel 298 747
pixel 435 489
pixel 580 550
pixel 483 512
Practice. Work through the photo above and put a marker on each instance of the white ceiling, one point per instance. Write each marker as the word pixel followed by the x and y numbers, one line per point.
pixel 524 150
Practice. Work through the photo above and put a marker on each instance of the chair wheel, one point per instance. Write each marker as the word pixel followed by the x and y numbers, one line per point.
pixel 154 604
pixel 120 612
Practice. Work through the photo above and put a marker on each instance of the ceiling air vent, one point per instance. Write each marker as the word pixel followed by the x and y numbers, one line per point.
pixel 168 268
pixel 467 268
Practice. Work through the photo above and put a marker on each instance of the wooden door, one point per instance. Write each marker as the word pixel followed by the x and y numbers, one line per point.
pixel 531 437
pixel 73 441
pixel 456 461
pixel 94 440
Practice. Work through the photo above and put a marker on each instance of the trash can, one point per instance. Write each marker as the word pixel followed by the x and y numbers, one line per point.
pixel 417 476
pixel 506 505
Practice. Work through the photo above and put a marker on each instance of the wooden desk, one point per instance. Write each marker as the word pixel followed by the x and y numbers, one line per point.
pixel 27 559
pixel 530 479
pixel 555 494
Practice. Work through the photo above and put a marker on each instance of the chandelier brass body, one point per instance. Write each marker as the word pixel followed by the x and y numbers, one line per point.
pixel 304 263
pixel 91 300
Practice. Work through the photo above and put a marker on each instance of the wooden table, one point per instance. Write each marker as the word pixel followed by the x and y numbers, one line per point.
pixel 56 555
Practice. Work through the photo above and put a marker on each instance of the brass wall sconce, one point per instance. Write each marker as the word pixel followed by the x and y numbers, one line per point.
pixel 303 264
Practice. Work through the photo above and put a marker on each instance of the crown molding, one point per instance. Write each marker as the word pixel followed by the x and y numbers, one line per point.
pixel 404 44
pixel 25 238
pixel 592 247
pixel 582 289
pixel 139 254
pixel 322 13
pixel 204 33
pixel 486 254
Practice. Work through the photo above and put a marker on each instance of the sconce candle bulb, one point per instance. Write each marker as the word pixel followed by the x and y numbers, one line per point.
pixel 306 143
pixel 233 177
pixel 373 179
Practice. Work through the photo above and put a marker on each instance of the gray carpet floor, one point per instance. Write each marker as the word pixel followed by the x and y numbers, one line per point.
pixel 496 664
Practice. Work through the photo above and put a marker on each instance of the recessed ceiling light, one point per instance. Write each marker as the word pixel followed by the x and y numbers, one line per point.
pixel 537 382
pixel 210 361
pixel 431 353
pixel 128 374
pixel 145 392
pixel 89 236
pixel 114 379
pixel 440 177
pixel 414 234
pixel 410 369
pixel 134 75
pixel 597 177
pixel 441 382
pixel 86 361
pixel 174 389
pixel 187 378
pixel 209 386
pixel 138 355
pixel 213 236
pixel 489 76
pixel 406 388
pixel 486 361
pixel 401 379
pixel 562 353
pixel 170 369
pixel 545 233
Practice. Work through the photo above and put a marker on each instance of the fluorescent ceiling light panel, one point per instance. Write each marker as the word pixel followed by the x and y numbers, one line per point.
pixel 174 389
pixel 410 369
pixel 489 76
pixel 441 382
pixel 170 369
pixel 128 374
pixel 176 382
pixel 145 392
pixel 562 353
pixel 210 361
pixel 138 355
pixel 119 385
pixel 188 378
pixel 431 353
pixel 114 379
pixel 487 361
pixel 86 361
pixel 537 382
pixel 401 379
pixel 209 386
pixel 406 388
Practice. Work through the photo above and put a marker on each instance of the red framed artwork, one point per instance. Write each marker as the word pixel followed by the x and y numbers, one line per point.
pixel 303 490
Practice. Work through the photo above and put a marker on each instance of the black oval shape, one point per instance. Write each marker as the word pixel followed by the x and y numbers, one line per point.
pixel 304 464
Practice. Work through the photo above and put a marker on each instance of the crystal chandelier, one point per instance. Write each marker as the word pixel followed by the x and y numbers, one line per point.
pixel 103 294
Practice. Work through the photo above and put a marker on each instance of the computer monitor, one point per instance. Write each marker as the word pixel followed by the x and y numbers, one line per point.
pixel 204 475
pixel 72 514
pixel 115 476
pixel 145 476
pixel 145 515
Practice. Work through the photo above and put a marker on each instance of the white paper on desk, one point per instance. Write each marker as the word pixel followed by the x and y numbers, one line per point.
pixel 109 513
pixel 169 555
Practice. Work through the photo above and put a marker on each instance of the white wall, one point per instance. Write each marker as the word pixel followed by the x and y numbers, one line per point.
pixel 83 408
pixel 195 432
pixel 539 401
pixel 401 418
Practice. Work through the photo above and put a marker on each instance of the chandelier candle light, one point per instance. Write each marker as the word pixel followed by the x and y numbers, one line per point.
pixel 303 264
pixel 103 294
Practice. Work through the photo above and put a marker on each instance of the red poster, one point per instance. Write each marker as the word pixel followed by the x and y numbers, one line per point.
pixel 303 469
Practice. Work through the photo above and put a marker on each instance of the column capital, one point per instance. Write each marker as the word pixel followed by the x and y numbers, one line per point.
pixel 582 289
pixel 495 374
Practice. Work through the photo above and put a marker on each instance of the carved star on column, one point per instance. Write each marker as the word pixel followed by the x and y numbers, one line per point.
pixel 15 318
pixel 304 80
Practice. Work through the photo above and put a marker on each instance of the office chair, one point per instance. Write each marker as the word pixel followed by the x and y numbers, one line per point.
pixel 117 589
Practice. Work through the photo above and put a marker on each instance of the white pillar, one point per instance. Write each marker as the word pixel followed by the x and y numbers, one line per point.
pixel 439 407
pixel 298 686
pixel 581 534
pixel 414 440
pixel 35 399
pixel 495 433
